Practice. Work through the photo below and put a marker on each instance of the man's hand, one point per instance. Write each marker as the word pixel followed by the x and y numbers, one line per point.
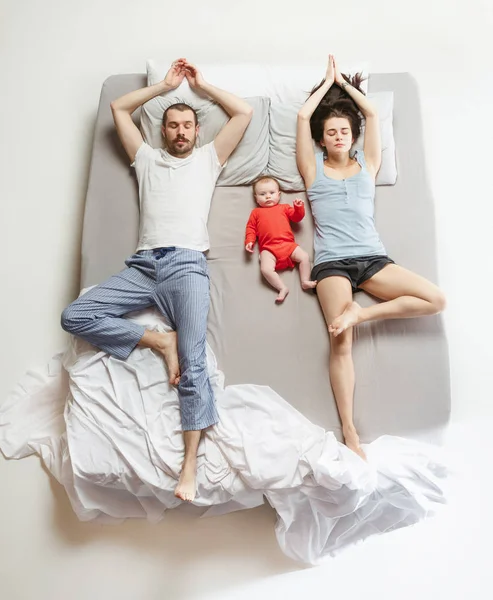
pixel 176 73
pixel 249 247
pixel 298 203
pixel 193 75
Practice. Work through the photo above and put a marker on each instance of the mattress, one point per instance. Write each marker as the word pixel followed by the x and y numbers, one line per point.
pixel 402 366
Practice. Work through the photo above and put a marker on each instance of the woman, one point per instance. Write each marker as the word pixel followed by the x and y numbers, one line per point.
pixel 349 255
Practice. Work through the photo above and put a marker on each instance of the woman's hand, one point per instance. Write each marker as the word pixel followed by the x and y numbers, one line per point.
pixel 338 78
pixel 330 73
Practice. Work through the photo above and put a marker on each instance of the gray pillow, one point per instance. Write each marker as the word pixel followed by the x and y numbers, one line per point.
pixel 282 157
pixel 250 158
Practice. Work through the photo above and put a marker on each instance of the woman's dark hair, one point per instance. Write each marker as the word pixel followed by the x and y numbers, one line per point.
pixel 337 103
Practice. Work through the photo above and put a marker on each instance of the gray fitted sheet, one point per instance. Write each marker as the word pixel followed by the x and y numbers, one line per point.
pixel 402 367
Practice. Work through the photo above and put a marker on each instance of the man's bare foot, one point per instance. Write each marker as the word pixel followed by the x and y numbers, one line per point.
pixel 282 295
pixel 349 318
pixel 351 439
pixel 168 347
pixel 308 285
pixel 185 490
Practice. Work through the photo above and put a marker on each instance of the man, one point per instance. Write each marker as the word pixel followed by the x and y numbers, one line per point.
pixel 169 269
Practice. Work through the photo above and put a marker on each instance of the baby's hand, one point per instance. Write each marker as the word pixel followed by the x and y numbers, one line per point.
pixel 249 247
pixel 298 203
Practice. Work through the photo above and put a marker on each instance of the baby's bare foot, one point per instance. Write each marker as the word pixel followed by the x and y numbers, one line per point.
pixel 351 439
pixel 282 295
pixel 168 347
pixel 349 318
pixel 308 285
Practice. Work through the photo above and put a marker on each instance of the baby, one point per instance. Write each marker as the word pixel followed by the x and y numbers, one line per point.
pixel 270 224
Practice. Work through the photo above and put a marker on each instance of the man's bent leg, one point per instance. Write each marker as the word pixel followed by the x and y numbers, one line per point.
pixel 97 315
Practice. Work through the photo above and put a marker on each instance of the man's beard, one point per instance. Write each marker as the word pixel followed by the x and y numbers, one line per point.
pixel 177 150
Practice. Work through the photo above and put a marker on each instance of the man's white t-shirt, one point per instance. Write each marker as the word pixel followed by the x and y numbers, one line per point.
pixel 175 197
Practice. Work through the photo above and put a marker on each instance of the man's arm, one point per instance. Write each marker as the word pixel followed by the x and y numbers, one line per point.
pixel 123 107
pixel 239 111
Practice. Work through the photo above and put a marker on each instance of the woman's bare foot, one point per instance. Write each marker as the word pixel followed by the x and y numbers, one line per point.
pixel 351 439
pixel 282 295
pixel 166 344
pixel 349 318
pixel 308 285
pixel 185 490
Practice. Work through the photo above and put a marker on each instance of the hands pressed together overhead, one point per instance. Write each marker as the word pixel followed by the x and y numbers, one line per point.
pixel 333 74
pixel 181 68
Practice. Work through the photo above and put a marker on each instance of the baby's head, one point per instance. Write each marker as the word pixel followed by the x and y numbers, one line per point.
pixel 266 191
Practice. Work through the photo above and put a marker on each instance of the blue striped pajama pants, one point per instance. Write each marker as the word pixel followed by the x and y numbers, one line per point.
pixel 176 281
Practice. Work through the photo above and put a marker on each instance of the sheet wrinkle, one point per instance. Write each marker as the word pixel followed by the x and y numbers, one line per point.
pixel 116 446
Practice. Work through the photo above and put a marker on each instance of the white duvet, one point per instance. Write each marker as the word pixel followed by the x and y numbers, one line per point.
pixel 109 431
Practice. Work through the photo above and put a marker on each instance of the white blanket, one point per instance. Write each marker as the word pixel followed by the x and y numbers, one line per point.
pixel 110 433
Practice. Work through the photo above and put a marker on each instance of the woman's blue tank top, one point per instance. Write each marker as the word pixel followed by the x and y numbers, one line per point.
pixel 343 212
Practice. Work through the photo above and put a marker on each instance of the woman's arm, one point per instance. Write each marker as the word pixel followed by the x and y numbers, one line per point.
pixel 305 155
pixel 373 145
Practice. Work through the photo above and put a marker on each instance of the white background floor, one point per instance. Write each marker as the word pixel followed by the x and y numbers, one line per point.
pixel 54 56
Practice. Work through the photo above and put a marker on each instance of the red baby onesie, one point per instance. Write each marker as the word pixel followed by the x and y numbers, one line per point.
pixel 271 226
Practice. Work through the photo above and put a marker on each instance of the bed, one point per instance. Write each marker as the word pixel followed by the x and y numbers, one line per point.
pixel 267 362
